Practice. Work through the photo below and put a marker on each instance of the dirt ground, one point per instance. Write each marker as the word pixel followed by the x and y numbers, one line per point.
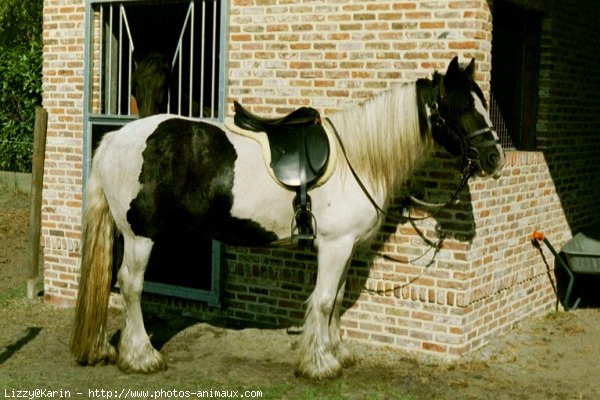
pixel 551 357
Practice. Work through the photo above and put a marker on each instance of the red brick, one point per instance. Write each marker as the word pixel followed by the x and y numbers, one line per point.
pixel 435 347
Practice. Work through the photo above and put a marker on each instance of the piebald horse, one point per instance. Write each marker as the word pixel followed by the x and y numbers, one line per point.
pixel 166 169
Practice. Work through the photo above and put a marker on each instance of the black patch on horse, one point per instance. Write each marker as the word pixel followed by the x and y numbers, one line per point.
pixel 187 181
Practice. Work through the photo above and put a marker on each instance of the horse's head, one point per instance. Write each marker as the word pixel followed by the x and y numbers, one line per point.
pixel 150 84
pixel 460 121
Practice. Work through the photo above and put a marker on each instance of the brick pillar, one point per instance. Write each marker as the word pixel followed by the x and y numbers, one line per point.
pixel 63 98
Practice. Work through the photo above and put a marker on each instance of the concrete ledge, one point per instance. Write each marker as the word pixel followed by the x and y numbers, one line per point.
pixel 16 180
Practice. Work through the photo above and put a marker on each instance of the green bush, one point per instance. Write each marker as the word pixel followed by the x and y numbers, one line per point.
pixel 20 80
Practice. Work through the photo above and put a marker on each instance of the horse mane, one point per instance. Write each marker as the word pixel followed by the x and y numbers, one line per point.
pixel 383 137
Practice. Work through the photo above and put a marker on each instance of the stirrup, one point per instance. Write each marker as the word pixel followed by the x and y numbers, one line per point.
pixel 303 239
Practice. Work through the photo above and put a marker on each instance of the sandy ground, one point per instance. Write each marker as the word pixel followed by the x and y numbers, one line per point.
pixel 551 357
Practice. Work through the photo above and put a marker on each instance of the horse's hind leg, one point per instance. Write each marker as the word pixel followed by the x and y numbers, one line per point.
pixel 136 353
pixel 320 354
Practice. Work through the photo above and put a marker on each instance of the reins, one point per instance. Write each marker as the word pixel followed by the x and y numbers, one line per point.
pixel 397 216
pixel 352 170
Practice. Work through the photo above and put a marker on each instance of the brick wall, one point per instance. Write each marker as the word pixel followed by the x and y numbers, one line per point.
pixel 282 53
pixel 569 112
pixel 329 54
pixel 63 99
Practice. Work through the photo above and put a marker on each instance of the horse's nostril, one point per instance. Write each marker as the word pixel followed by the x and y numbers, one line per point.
pixel 493 159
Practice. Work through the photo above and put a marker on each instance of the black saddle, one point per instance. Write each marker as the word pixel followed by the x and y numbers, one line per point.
pixel 252 122
pixel 298 143
pixel 299 154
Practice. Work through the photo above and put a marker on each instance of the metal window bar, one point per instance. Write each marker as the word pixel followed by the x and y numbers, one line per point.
pixel 191 64
pixel 178 59
pixel 196 106
pixel 109 64
pixel 191 82
pixel 116 41
pixel 120 60
pixel 203 52
pixel 214 61
pixel 129 60
pixel 101 55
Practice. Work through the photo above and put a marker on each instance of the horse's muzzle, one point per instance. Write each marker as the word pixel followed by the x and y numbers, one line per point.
pixel 487 152
pixel 492 163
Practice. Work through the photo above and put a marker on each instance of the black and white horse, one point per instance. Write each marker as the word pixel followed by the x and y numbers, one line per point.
pixel 164 169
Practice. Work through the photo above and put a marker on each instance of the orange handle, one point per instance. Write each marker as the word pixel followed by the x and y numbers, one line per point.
pixel 538 235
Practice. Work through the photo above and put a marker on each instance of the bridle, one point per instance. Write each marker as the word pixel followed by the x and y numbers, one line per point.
pixel 470 155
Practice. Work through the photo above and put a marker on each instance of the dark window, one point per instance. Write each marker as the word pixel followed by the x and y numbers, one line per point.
pixel 515 60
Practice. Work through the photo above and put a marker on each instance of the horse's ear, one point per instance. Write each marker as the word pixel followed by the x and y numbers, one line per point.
pixel 453 67
pixel 470 70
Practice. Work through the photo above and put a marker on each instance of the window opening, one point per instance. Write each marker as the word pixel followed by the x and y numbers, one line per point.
pixel 515 65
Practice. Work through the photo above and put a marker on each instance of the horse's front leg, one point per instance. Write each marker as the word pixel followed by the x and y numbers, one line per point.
pixel 136 353
pixel 341 352
pixel 320 355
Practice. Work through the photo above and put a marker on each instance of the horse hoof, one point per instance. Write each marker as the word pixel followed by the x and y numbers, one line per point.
pixel 147 362
pixel 345 356
pixel 106 356
pixel 318 374
pixel 327 367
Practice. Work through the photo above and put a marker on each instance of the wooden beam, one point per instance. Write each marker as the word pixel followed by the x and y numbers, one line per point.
pixel 35 211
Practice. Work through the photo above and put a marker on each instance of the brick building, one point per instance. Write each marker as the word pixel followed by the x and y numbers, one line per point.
pixel 275 55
